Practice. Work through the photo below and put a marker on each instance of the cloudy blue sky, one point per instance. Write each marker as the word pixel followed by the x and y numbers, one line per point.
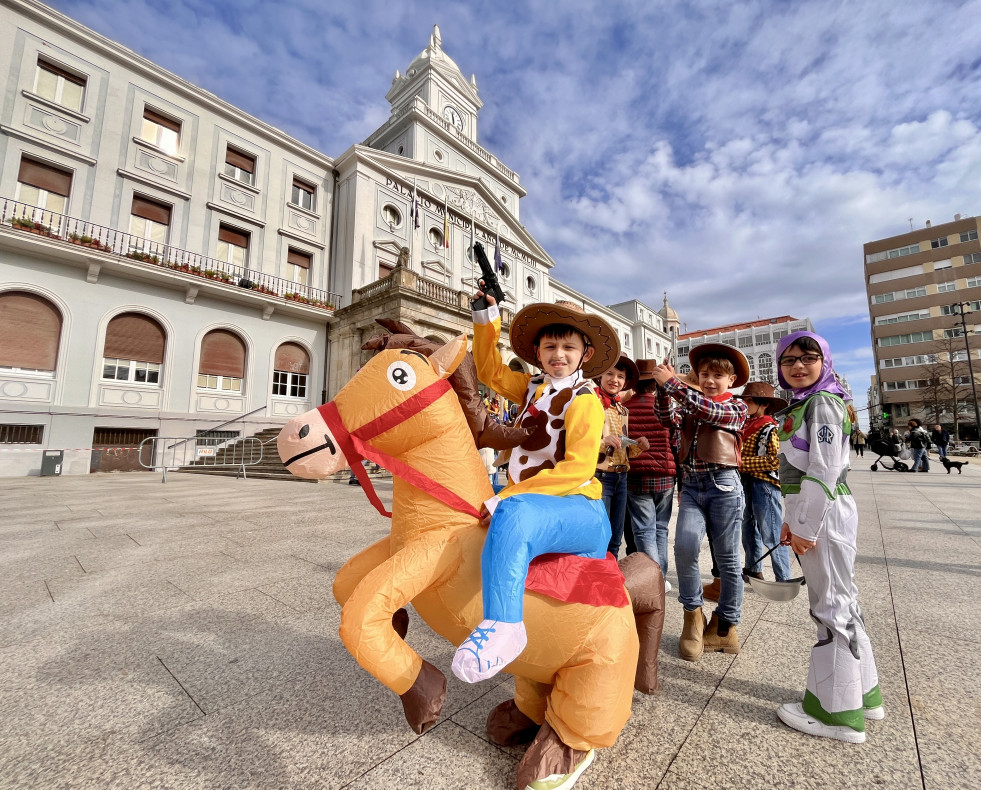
pixel 735 154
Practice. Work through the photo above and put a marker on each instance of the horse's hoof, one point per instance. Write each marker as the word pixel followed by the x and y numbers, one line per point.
pixel 549 763
pixel 400 622
pixel 424 700
pixel 508 726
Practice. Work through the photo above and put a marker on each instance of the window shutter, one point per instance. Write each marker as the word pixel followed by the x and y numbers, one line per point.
pixel 297 258
pixel 303 185
pixel 60 72
pixel 292 358
pixel 222 354
pixel 240 160
pixel 161 120
pixel 30 330
pixel 151 210
pixel 232 236
pixel 42 176
pixel 135 336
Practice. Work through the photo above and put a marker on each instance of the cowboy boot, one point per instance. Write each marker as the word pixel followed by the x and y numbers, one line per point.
pixel 508 726
pixel 549 763
pixel 721 636
pixel 690 646
pixel 711 592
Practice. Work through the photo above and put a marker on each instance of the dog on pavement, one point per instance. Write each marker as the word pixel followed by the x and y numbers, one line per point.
pixel 948 465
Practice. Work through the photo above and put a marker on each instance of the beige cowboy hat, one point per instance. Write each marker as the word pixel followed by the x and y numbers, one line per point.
pixel 735 356
pixel 762 391
pixel 530 320
pixel 645 369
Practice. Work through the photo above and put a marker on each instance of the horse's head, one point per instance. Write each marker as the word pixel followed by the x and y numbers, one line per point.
pixel 390 389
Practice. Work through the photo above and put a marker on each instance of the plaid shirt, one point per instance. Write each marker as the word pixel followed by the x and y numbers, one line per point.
pixel 760 457
pixel 645 484
pixel 729 414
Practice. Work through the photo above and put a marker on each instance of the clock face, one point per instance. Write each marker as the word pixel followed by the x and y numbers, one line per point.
pixel 451 115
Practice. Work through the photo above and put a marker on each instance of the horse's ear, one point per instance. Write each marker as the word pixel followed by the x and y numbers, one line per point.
pixel 447 358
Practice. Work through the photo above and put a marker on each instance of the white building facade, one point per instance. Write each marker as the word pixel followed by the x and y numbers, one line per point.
pixel 169 263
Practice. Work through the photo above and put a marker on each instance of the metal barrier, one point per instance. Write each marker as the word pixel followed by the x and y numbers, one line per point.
pixel 174 452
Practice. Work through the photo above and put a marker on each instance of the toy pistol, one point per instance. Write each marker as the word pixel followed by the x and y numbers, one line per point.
pixel 489 277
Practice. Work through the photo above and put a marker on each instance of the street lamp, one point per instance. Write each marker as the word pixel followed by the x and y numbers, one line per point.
pixel 958 309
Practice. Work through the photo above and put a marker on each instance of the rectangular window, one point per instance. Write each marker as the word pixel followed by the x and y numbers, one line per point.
pixel 943 288
pixel 682 351
pixel 959 356
pixel 899 252
pixel 936 243
pixel 974 257
pixel 899 340
pixel 233 246
pixel 955 332
pixel 290 385
pixel 971 235
pixel 974 282
pixel 43 186
pixel 902 317
pixel 21 434
pixel 298 266
pixel 240 166
pixel 949 309
pixel 945 264
pixel 220 383
pixel 149 224
pixel 55 84
pixel 131 371
pixel 746 341
pixel 303 195
pixel 896 274
pixel 960 380
pixel 161 131
pixel 762 340
pixel 883 298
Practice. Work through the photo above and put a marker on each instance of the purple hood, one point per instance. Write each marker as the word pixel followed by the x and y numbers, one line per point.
pixel 828 382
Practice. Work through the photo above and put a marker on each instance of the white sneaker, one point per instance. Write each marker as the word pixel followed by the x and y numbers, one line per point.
pixel 667 586
pixel 875 714
pixel 792 714
pixel 491 647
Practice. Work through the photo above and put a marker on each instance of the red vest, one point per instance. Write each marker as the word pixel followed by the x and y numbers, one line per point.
pixel 658 461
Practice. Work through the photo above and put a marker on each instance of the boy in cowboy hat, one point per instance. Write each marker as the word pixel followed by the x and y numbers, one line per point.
pixel 614 455
pixel 711 493
pixel 760 474
pixel 552 501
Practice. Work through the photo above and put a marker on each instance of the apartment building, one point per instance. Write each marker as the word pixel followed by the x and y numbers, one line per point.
pixel 918 285
pixel 756 339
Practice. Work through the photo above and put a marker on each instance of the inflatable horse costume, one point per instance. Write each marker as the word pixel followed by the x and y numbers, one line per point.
pixel 574 681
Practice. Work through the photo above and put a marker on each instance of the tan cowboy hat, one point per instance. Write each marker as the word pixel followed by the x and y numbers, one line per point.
pixel 689 379
pixel 530 320
pixel 645 369
pixel 735 356
pixel 631 370
pixel 762 391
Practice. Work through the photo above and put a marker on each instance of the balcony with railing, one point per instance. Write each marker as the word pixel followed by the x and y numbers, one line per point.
pixel 152 254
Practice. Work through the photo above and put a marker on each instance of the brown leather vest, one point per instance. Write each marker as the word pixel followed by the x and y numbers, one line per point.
pixel 714 445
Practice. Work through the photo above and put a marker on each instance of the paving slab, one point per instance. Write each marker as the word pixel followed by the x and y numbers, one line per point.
pixel 184 635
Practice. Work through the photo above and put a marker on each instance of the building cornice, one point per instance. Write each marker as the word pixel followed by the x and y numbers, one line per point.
pixel 54 20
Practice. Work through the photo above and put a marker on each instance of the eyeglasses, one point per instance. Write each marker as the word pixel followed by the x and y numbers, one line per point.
pixel 806 359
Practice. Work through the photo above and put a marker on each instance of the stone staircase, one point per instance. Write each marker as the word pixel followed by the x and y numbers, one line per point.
pixel 269 468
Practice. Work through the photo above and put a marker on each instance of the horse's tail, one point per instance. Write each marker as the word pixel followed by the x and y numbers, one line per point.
pixel 645 583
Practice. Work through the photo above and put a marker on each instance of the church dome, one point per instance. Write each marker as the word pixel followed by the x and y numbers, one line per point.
pixel 432 54
pixel 667 312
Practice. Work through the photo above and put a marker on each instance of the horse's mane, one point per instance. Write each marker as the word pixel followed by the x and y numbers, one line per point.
pixel 486 432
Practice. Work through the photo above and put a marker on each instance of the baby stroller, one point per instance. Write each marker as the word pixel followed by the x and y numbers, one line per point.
pixel 897 453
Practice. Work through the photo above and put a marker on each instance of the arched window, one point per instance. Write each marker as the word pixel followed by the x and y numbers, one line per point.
pixel 752 368
pixel 30 331
pixel 222 365
pixel 134 349
pixel 684 370
pixel 291 371
pixel 766 367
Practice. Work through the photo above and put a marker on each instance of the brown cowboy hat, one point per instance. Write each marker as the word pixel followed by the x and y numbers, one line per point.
pixel 631 370
pixel 530 320
pixel 762 391
pixel 735 356
pixel 645 369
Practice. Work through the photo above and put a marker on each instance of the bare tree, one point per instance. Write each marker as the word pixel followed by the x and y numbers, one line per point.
pixel 941 394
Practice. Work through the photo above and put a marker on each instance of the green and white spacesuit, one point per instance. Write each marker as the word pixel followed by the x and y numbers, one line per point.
pixel 814 457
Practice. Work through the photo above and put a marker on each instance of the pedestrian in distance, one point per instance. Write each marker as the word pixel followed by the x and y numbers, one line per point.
pixel 821 527
pixel 941 439
pixel 919 442
pixel 860 442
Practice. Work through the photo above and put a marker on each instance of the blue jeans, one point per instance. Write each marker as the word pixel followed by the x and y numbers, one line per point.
pixel 920 456
pixel 710 502
pixel 525 526
pixel 649 517
pixel 762 519
pixel 942 450
pixel 615 502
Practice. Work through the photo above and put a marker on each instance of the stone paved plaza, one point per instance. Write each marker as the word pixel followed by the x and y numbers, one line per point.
pixel 184 636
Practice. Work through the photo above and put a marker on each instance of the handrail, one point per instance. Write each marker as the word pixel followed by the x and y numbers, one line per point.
pixel 219 427
pixel 155 254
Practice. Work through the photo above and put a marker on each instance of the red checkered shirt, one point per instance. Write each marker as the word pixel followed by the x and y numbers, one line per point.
pixel 729 414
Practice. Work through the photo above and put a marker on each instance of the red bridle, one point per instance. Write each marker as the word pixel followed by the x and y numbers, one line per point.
pixel 354 445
